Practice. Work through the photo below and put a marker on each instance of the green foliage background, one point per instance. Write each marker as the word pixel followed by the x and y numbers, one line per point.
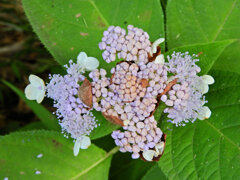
pixel 208 149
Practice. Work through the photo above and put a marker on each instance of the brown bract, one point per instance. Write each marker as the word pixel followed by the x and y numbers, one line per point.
pixel 113 119
pixel 163 138
pixel 169 86
pixel 85 93
pixel 144 83
pixel 153 57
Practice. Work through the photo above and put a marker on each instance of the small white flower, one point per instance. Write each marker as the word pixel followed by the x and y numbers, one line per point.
pixel 82 142
pixel 159 148
pixel 87 63
pixel 204 113
pixel 160 59
pixel 36 89
pixel 206 80
pixel 149 154
pixel 155 45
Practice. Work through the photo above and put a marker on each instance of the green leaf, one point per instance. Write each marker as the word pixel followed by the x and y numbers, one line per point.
pixel 49 120
pixel 124 167
pixel 229 59
pixel 208 149
pixel 19 151
pixel 155 173
pixel 33 126
pixel 194 21
pixel 68 27
pixel 208 53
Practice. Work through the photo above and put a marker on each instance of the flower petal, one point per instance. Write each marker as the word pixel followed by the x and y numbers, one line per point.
pixel 91 63
pixel 148 155
pixel 77 146
pixel 155 44
pixel 81 59
pixel 85 142
pixel 36 81
pixel 31 92
pixel 159 148
pixel 205 88
pixel 204 113
pixel 40 96
pixel 160 59
pixel 207 79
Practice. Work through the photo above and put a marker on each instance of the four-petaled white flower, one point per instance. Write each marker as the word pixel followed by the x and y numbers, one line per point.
pixel 149 154
pixel 204 113
pixel 206 80
pixel 155 45
pixel 36 89
pixel 87 63
pixel 160 59
pixel 82 142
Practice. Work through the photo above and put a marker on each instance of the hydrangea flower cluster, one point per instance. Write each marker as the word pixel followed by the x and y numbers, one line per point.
pixel 130 95
pixel 185 101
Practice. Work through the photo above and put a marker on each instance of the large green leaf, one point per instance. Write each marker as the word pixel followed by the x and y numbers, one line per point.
pixel 154 173
pixel 18 158
pixel 209 149
pixel 47 118
pixel 199 21
pixel 68 27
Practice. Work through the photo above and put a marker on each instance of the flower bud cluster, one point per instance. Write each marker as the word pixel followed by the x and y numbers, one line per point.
pixel 138 137
pixel 74 116
pixel 133 46
pixel 125 82
pixel 156 75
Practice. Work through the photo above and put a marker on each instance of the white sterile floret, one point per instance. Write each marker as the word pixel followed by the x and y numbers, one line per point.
pixel 36 89
pixel 87 63
pixel 149 154
pixel 159 148
pixel 155 44
pixel 206 80
pixel 82 142
pixel 160 59
pixel 204 113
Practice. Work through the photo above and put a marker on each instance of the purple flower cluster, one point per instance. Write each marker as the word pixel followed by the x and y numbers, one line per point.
pixel 133 46
pixel 186 99
pixel 125 82
pixel 129 96
pixel 74 116
pixel 157 76
pixel 138 137
pixel 125 95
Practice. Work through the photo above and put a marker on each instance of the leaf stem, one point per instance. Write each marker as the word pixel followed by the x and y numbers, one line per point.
pixel 113 151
